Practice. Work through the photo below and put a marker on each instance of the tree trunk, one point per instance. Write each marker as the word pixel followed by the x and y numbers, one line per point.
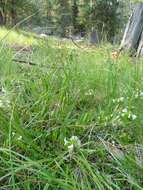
pixel 1 19
pixel 140 47
pixel 13 12
pixel 2 13
pixel 133 37
pixel 75 12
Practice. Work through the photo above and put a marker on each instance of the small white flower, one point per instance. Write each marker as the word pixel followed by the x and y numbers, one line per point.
pixel 13 134
pixel 125 110
pixel 19 138
pixel 141 93
pixel 75 140
pixel 134 117
pixel 89 92
pixel 113 142
pixel 71 143
pixel 70 148
pixel 121 99
pixel 113 100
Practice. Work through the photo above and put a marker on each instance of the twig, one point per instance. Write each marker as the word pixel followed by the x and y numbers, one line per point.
pixel 35 64
pixel 73 41
pixel 23 61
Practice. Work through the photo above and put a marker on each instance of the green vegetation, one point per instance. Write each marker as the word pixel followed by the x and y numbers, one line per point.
pixel 16 37
pixel 64 17
pixel 71 122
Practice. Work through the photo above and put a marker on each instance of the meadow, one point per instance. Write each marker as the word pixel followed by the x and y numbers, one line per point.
pixel 72 121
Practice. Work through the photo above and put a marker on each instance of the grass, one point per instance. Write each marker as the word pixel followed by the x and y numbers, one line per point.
pixel 73 122
pixel 16 37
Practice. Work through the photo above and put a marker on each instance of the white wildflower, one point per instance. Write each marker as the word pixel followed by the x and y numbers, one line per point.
pixel 132 116
pixel 121 99
pixel 70 148
pixel 75 140
pixel 57 105
pixel 125 110
pixel 113 142
pixel 13 134
pixel 19 138
pixel 141 93
pixel 89 92
pixel 71 143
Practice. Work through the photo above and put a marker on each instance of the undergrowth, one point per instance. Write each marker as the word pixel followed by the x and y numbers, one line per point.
pixel 74 121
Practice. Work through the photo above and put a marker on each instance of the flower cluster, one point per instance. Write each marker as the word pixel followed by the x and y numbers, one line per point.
pixel 129 114
pixel 90 92
pixel 117 117
pixel 138 94
pixel 125 112
pixel 19 138
pixel 73 142
pixel 118 100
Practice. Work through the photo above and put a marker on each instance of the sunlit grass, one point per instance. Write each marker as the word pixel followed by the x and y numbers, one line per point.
pixel 16 37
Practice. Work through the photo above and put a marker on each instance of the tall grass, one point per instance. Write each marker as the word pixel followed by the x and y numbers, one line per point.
pixel 70 93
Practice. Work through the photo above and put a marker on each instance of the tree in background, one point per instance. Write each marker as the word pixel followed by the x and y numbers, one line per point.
pixel 13 11
pixel 75 11
pixel 105 16
pixel 2 12
pixel 63 17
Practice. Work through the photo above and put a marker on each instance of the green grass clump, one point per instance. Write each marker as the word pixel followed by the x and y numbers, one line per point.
pixel 72 122
pixel 16 37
